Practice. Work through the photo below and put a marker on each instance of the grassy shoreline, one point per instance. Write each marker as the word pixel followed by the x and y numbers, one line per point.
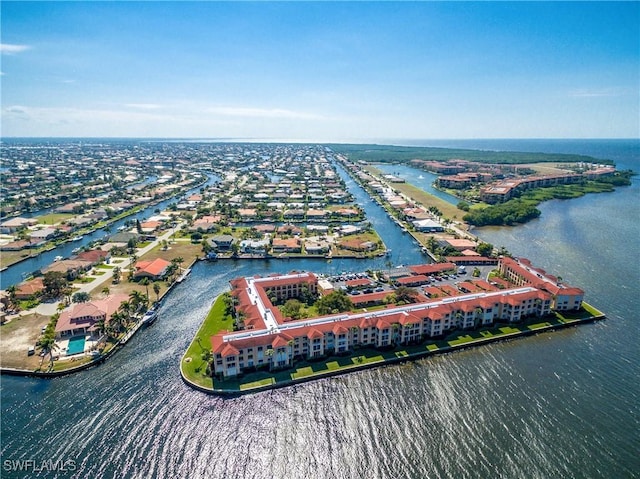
pixel 192 364
pixel 365 358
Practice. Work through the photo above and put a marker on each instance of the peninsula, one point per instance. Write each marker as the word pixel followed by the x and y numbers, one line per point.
pixel 300 326
pixel 83 254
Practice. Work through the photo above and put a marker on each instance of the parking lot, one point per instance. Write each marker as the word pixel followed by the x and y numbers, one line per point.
pixel 361 283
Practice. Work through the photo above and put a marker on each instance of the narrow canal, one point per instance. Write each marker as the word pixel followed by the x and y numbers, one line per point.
pixel 16 273
pixel 404 250
pixel 419 178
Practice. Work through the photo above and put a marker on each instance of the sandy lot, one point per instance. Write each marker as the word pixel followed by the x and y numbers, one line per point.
pixel 15 338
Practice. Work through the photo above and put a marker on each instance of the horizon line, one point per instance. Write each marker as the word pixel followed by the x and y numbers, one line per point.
pixel 306 141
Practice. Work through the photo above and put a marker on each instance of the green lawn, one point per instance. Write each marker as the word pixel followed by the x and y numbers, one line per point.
pixel 461 340
pixel 195 368
pixel 256 384
pixel 509 330
pixel 53 218
pixel 539 325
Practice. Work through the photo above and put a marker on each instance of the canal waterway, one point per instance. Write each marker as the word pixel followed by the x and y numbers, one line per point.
pixel 18 272
pixel 416 177
pixel 563 404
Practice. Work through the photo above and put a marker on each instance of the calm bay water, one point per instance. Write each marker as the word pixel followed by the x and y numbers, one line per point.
pixel 563 404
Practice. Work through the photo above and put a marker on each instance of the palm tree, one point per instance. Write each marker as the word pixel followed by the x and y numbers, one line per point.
pixel 405 294
pixel 12 295
pixel 106 290
pixel 136 298
pixel 290 345
pixel 459 317
pixel 115 323
pixel 156 290
pixel 47 345
pixel 101 329
pixel 125 311
pixel 171 272
pixel 116 274
pixel 478 313
pixel 269 354
pixel 178 261
pixel 145 282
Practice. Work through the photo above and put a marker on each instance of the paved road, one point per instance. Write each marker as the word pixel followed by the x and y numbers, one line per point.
pixel 48 309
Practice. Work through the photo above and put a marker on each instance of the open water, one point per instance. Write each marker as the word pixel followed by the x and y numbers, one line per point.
pixel 557 405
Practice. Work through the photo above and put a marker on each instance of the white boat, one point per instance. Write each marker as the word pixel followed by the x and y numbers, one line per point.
pixel 149 317
pixel 184 275
pixel 57 258
pixel 76 238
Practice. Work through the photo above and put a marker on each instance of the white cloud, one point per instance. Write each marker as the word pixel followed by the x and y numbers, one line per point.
pixel 11 49
pixel 144 106
pixel 595 93
pixel 248 112
pixel 19 120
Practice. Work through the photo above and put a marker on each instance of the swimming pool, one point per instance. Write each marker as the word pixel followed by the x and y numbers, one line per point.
pixel 76 345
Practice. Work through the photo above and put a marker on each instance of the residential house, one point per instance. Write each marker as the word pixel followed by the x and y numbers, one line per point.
pixel 14 224
pixel 81 318
pixel 222 242
pixel 154 269
pixel 288 245
pixel 250 246
pixel 30 289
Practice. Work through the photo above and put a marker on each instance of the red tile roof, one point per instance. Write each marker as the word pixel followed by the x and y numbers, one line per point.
pixel 431 268
pixel 415 279
pixel 153 268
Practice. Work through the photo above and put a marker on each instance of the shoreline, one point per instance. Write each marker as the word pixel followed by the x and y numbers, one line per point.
pixel 429 349
pixel 94 362
pixel 108 223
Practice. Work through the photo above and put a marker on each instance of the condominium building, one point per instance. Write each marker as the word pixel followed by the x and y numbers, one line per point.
pixel 269 339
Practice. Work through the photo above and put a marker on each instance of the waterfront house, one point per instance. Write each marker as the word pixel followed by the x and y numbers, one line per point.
pixel 357 245
pixel 150 226
pixel 94 257
pixel 206 223
pixel 30 289
pixel 44 234
pixel 221 242
pixel 14 224
pixel 71 268
pixel 81 318
pixel 427 226
pixel 317 247
pixel 154 270
pixel 248 214
pixel 20 245
pixel 288 245
pixel 250 246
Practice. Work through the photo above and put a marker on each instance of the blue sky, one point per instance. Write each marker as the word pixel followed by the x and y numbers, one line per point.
pixel 327 71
